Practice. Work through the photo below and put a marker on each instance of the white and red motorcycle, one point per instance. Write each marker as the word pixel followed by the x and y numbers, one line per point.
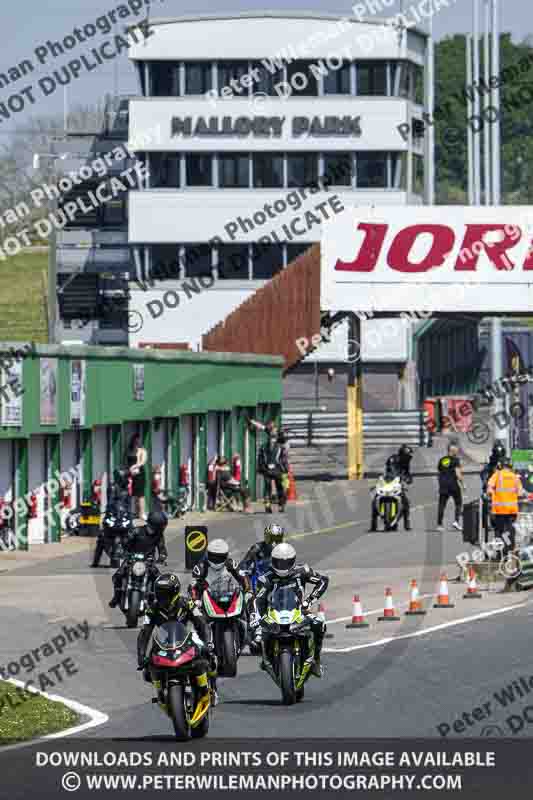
pixel 223 605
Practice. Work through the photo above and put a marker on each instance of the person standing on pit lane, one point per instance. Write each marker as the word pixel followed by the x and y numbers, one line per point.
pixel 450 485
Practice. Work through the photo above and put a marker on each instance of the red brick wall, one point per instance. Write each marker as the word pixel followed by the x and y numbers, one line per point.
pixel 271 320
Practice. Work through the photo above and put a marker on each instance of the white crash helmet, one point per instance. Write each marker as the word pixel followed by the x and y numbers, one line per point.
pixel 217 553
pixel 283 559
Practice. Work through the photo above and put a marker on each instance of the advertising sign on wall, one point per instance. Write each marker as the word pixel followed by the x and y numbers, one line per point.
pixel 11 396
pixel 48 385
pixel 138 381
pixel 427 259
pixel 77 392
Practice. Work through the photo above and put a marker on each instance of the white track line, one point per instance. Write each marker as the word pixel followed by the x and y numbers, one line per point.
pixel 96 717
pixel 442 626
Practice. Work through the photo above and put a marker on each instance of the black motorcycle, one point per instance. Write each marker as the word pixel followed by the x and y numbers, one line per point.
pixel 173 655
pixel 137 588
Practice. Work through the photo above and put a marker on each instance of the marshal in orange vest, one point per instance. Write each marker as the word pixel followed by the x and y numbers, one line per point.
pixel 504 487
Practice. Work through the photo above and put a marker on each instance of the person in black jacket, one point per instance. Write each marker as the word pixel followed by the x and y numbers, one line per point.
pixel 273 465
pixel 144 539
pixel 171 605
pixel 450 485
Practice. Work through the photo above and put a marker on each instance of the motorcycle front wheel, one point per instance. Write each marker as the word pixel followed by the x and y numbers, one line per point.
pixel 132 614
pixel 286 678
pixel 176 708
pixel 229 654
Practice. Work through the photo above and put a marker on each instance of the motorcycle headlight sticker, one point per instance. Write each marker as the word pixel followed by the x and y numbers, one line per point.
pixel 138 569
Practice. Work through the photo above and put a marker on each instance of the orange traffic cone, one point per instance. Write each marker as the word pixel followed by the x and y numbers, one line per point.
pixel 358 619
pixel 472 592
pixel 415 606
pixel 443 599
pixel 322 614
pixel 291 494
pixel 389 614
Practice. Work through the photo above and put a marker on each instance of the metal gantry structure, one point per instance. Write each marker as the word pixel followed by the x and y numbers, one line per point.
pixel 484 185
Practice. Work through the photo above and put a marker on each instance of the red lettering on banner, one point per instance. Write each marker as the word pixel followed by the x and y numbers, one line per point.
pixel 369 250
pixel 496 251
pixel 398 255
pixel 528 263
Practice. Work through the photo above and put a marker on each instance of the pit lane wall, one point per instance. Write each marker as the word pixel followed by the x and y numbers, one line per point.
pixel 66 414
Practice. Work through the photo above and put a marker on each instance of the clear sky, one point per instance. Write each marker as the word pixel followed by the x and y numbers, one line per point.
pixel 27 24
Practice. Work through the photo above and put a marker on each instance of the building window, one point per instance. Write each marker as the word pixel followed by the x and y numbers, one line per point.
pixel 266 80
pixel 229 71
pixel 233 262
pixel 371 170
pixel 234 171
pixel 419 85
pixel 267 260
pixel 302 169
pixel 114 212
pixel 165 170
pixel 165 78
pixel 198 260
pixel 199 170
pixel 337 81
pixel 418 175
pixel 268 171
pixel 165 261
pixel 338 168
pixel 295 250
pixel 399 171
pixel 301 79
pixel 371 78
pixel 198 77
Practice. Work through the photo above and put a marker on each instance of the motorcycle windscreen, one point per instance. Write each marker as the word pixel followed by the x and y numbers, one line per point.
pixel 284 599
pixel 171 635
pixel 223 586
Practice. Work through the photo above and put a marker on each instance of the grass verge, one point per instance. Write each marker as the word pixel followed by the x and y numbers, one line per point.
pixel 24 715
pixel 22 298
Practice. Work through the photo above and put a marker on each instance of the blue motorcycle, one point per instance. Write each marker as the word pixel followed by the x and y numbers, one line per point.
pixel 260 567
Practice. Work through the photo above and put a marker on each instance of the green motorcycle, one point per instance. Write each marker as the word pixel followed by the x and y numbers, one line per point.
pixel 288 644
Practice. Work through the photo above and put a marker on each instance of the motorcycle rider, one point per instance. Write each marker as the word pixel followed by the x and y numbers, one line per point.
pixel 217 559
pixel 405 456
pixel 286 573
pixel 143 539
pixel 392 471
pixel 171 605
pixel 262 551
pixel 497 456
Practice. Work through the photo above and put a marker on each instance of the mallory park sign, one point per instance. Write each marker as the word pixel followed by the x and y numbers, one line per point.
pixel 265 127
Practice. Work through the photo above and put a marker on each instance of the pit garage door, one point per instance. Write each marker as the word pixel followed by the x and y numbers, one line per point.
pixel 100 460
pixel 187 451
pixel 70 462
pixel 6 470
pixel 160 451
pixel 37 528
pixel 213 435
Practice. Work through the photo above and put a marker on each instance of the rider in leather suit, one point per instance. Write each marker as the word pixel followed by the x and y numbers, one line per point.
pixel 285 572
pixel 144 539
